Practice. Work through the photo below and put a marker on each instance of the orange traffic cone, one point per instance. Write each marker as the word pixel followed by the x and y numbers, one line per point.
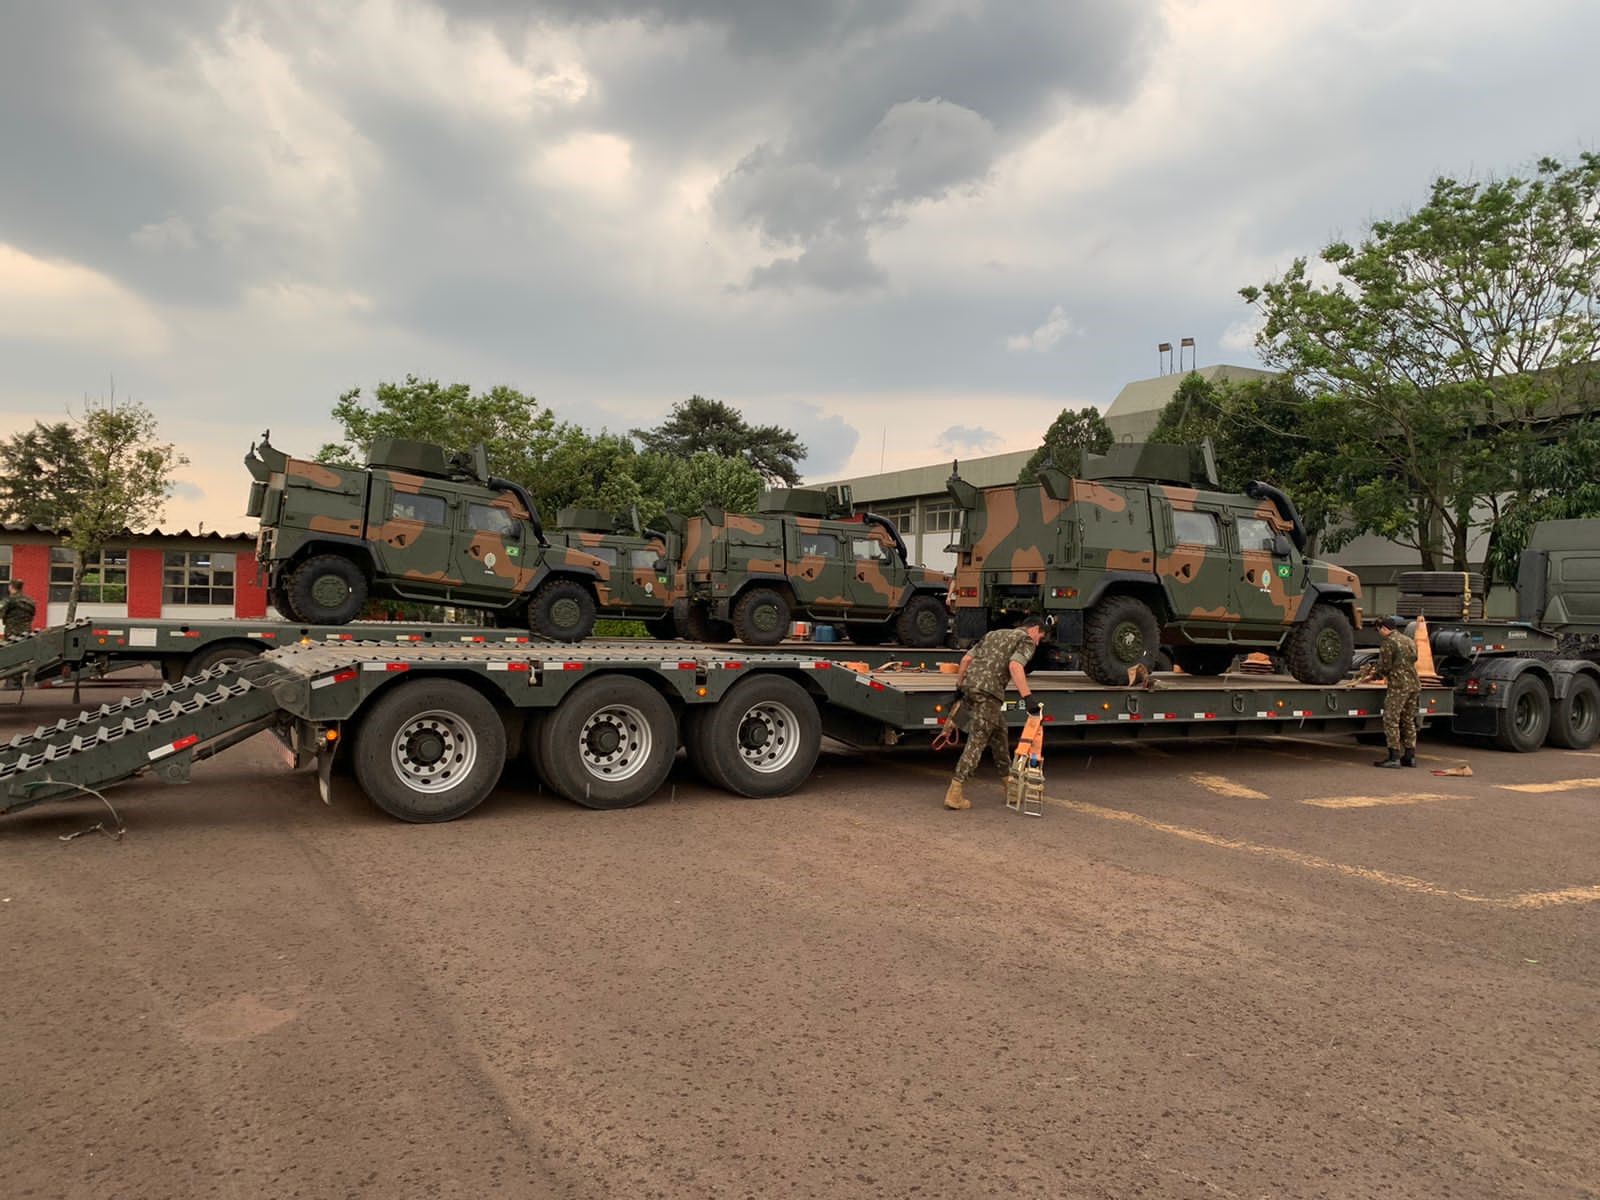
pixel 1426 675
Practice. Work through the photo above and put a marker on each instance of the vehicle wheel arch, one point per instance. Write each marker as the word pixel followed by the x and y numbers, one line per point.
pixel 357 552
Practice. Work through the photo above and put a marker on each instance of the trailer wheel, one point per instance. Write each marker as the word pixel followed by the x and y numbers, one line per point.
pixel 608 744
pixel 430 750
pixel 563 610
pixel 1525 719
pixel 761 617
pixel 923 623
pixel 216 656
pixel 1119 633
pixel 327 589
pixel 761 740
pixel 1575 724
pixel 1321 649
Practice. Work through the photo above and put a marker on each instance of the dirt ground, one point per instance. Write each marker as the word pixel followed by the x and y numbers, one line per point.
pixel 1253 970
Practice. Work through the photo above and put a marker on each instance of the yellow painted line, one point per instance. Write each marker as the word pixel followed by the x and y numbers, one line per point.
pixel 1375 801
pixel 1224 786
pixel 1560 785
pixel 1361 751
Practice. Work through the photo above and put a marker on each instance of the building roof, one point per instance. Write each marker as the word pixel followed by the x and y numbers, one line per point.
pixel 133 535
pixel 988 471
pixel 1137 408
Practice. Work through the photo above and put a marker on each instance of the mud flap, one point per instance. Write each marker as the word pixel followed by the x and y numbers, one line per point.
pixel 325 753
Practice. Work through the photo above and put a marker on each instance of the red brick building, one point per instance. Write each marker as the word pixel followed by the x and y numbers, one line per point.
pixel 182 575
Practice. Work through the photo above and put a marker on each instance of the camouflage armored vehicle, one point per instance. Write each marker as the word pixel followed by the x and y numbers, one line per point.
pixel 802 556
pixel 417 524
pixel 641 562
pixel 1143 552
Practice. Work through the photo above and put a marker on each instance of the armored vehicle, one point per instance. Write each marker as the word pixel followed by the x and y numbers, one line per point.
pixel 1143 552
pixel 802 555
pixel 419 524
pixel 641 564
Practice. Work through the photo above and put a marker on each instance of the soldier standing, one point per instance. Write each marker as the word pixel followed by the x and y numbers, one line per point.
pixel 17 610
pixel 985 670
pixel 1397 664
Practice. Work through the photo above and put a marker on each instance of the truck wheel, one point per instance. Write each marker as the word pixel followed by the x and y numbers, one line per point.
pixel 1575 724
pixel 1322 648
pixel 761 617
pixel 761 740
pixel 284 604
pixel 608 744
pixel 662 628
pixel 867 633
pixel 1525 720
pixel 215 656
pixel 923 623
pixel 1119 633
pixel 1204 660
pixel 327 589
pixel 430 750
pixel 700 626
pixel 562 610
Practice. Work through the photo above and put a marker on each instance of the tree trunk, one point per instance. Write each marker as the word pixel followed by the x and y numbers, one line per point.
pixel 72 594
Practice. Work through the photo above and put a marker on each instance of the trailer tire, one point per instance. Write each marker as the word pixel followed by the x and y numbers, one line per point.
pixel 608 744
pixel 215 656
pixel 430 750
pixel 1525 720
pixel 327 589
pixel 562 610
pixel 762 739
pixel 1575 723
pixel 761 617
pixel 923 623
pixel 1321 648
pixel 1118 633
pixel 1204 660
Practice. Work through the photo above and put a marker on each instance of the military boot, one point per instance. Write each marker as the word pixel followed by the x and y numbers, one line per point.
pixel 1392 761
pixel 955 798
pixel 1408 758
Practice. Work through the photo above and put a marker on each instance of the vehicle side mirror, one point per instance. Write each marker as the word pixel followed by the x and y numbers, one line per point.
pixel 1281 547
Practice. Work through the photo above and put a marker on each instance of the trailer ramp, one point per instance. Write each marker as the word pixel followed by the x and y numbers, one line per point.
pixel 164 730
pixel 34 654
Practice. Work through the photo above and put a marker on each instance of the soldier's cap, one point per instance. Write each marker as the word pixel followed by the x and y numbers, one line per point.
pixel 1393 622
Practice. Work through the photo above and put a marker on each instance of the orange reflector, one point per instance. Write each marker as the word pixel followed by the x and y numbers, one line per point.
pixel 332 735
pixel 700 691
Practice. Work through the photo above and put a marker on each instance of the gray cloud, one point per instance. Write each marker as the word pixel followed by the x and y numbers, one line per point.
pixel 968 439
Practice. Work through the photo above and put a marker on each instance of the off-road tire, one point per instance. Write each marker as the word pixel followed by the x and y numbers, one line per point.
pixel 327 589
pixel 701 626
pixel 284 604
pixel 562 610
pixel 1575 722
pixel 662 628
pixel 923 623
pixel 761 740
pixel 1525 720
pixel 1204 660
pixel 1118 633
pixel 761 617
pixel 430 750
pixel 868 633
pixel 608 744
pixel 1322 647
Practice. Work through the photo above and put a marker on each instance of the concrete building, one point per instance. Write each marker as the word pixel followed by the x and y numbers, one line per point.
pixel 1137 408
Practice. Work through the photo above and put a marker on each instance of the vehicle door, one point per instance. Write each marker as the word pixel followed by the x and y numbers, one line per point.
pixel 817 567
pixel 415 541
pixel 877 576
pixel 649 587
pixel 1199 565
pixel 492 545
pixel 1266 590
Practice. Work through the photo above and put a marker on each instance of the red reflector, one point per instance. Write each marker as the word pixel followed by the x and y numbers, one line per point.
pixel 1093 717
pixel 344 676
pixel 1135 716
pixel 875 685
pixel 102 633
pixel 572 666
pixel 396 666
pixel 1211 716
pixel 733 666
pixel 822 666
pixel 687 665
pixel 191 633
pixel 345 637
pixel 269 636
pixel 184 743
pixel 1049 720
pixel 517 667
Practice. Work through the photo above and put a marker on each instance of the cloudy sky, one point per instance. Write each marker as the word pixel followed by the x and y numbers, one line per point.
pixel 906 228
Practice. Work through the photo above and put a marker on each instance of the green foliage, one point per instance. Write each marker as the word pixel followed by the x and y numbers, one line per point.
pixel 1562 483
pixel 1452 342
pixel 42 473
pixel 698 424
pixel 686 484
pixel 608 628
pixel 1070 436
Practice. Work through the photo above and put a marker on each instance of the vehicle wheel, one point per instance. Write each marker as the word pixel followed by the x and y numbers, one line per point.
pixel 1118 633
pixel 1525 720
pixel 700 626
pixel 761 617
pixel 1322 648
pixel 563 610
pixel 215 656
pixel 867 633
pixel 1575 724
pixel 532 722
pixel 430 750
pixel 284 603
pixel 1204 660
pixel 327 589
pixel 662 628
pixel 762 739
pixel 608 744
pixel 923 623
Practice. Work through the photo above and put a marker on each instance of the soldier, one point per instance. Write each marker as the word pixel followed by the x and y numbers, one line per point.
pixel 1397 664
pixel 17 610
pixel 985 670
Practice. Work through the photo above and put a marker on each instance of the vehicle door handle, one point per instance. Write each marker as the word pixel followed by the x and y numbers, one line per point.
pixel 861 577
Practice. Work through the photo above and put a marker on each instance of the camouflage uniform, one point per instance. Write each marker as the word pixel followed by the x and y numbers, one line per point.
pixel 17 612
pixel 985 689
pixel 1397 663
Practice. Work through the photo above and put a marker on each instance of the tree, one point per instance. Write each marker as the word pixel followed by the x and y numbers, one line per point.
pixel 42 472
pixel 1562 483
pixel 127 474
pixel 1070 436
pixel 687 484
pixel 1454 339
pixel 698 424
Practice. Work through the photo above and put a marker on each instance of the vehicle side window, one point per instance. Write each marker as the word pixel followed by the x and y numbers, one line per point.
pixel 413 506
pixel 643 560
pixel 492 520
pixel 1256 534
pixel 869 549
pixel 1196 528
pixel 823 544
pixel 606 554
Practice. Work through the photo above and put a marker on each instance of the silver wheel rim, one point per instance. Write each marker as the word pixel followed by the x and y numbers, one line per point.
pixel 615 742
pixel 769 737
pixel 434 751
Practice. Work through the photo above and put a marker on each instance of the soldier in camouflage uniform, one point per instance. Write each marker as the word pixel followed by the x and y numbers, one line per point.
pixel 17 610
pixel 1397 664
pixel 985 670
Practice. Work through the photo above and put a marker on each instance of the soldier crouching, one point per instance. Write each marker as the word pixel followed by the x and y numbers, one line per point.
pixel 1397 665
pixel 981 685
